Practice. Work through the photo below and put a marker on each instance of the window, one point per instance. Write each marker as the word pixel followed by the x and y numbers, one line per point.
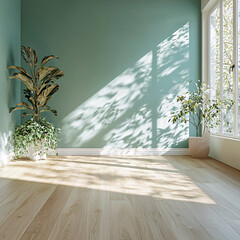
pixel 224 39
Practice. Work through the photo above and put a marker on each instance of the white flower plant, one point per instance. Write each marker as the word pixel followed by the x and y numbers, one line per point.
pixel 35 134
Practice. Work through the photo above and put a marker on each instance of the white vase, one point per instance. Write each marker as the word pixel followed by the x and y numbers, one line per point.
pixel 36 152
pixel 199 147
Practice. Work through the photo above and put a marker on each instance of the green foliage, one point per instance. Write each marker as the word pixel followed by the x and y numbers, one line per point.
pixel 39 82
pixel 194 108
pixel 222 78
pixel 35 133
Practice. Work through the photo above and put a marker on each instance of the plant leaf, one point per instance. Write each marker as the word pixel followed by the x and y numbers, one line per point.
pixel 21 70
pixel 42 72
pixel 33 56
pixel 30 56
pixel 28 114
pixel 12 109
pixel 29 96
pixel 25 105
pixel 44 97
pixel 46 106
pixel 50 90
pixel 41 89
pixel 46 59
pixel 32 100
pixel 24 78
pixel 54 75
pixel 25 55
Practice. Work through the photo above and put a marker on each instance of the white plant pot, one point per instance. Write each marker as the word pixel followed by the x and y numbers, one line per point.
pixel 36 152
pixel 199 147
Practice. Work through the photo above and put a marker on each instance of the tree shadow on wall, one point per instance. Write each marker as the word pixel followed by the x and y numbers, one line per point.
pixel 132 111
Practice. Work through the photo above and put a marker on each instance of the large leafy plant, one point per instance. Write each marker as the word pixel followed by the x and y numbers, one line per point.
pixel 39 81
pixel 199 110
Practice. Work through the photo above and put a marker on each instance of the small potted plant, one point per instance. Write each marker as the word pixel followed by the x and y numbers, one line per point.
pixel 36 137
pixel 202 113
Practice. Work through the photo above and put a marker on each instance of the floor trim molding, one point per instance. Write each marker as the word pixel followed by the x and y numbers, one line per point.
pixel 122 151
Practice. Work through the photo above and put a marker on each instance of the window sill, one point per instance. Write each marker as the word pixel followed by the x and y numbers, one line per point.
pixel 225 137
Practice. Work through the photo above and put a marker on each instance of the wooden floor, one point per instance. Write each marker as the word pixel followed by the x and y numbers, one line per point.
pixel 103 198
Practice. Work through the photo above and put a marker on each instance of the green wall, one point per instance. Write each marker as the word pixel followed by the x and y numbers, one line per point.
pixel 124 64
pixel 10 21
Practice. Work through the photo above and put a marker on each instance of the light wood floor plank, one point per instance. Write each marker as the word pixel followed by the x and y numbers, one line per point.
pixel 47 216
pixel 18 221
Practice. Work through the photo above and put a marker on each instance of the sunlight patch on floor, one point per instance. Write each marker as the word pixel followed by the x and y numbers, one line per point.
pixel 144 176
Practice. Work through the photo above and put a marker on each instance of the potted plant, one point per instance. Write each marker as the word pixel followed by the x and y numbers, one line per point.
pixel 202 113
pixel 36 137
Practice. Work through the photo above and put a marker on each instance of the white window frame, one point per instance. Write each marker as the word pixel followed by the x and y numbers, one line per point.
pixel 206 13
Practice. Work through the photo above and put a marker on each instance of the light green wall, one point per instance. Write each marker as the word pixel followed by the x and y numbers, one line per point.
pixel 9 55
pixel 124 61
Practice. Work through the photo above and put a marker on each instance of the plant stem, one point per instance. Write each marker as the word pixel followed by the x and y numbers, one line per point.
pixel 37 116
pixel 196 131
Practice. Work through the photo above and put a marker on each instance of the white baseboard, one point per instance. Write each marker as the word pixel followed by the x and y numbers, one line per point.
pixel 119 151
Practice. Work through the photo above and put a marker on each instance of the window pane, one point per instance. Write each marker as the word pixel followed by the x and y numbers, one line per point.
pixel 215 58
pixel 228 62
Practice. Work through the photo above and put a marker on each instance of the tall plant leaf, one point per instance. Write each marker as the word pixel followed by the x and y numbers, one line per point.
pixel 43 87
pixel 22 70
pixel 12 109
pixel 52 76
pixel 42 72
pixel 30 56
pixel 43 98
pixel 25 55
pixel 25 105
pixel 29 96
pixel 46 59
pixel 33 56
pixel 28 114
pixel 25 79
